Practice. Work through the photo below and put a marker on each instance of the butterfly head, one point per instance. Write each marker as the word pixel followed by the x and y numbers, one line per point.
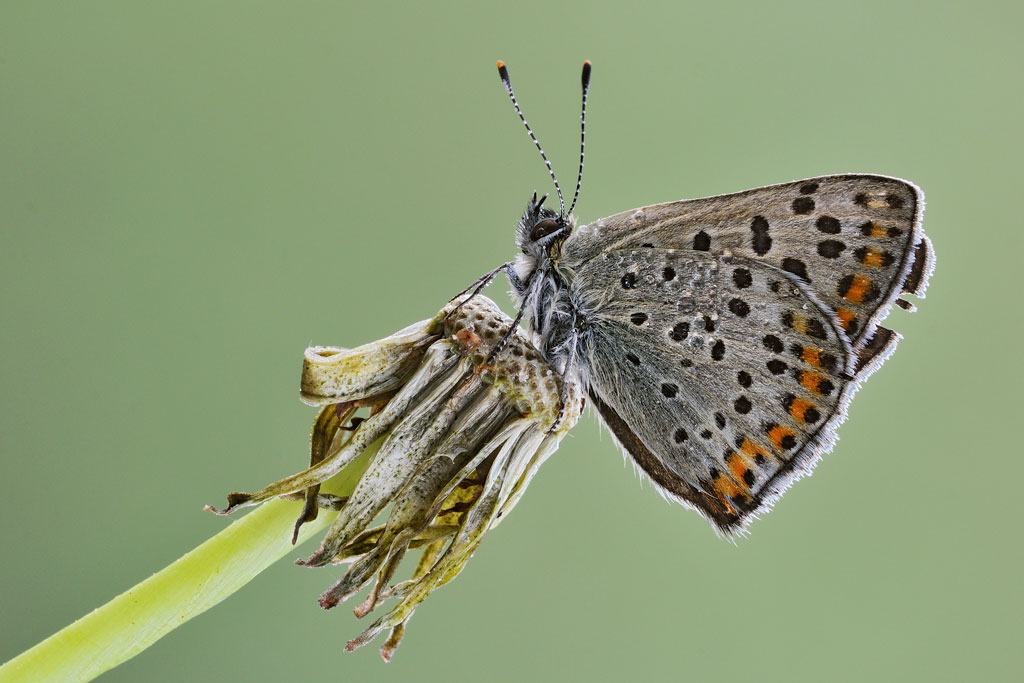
pixel 540 229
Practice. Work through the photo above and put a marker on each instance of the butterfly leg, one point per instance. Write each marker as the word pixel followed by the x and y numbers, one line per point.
pixel 514 279
pixel 519 286
pixel 563 394
pixel 508 335
pixel 483 282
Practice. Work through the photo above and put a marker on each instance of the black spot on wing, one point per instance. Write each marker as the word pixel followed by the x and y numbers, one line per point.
pixel 828 225
pixel 772 343
pixel 816 328
pixel 831 248
pixel 797 267
pixel 761 241
pixel 701 241
pixel 742 405
pixel 739 307
pixel 742 278
pixel 679 331
pixel 803 205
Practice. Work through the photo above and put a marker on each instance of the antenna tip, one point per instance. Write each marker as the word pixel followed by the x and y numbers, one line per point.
pixel 502 71
pixel 501 65
pixel 586 73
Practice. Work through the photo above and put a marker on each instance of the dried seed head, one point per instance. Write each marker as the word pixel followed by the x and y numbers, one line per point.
pixel 459 443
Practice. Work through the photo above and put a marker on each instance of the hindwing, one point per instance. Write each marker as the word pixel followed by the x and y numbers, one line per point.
pixel 722 376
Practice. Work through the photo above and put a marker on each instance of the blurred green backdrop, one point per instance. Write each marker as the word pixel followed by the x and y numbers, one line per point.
pixel 190 194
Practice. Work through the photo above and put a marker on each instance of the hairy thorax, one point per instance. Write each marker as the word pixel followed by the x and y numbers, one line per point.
pixel 553 317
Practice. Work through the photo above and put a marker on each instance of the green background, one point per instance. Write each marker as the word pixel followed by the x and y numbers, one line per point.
pixel 189 195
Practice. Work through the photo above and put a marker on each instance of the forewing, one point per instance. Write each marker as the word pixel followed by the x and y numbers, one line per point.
pixel 855 241
pixel 722 376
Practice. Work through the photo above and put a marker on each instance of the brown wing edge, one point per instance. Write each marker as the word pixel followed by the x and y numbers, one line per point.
pixel 674 487
pixel 722 521
pixel 873 352
pixel 921 267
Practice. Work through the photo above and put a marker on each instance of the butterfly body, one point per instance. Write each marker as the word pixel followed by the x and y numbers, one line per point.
pixel 721 339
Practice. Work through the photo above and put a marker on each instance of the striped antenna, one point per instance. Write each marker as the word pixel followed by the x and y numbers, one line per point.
pixel 583 131
pixel 503 72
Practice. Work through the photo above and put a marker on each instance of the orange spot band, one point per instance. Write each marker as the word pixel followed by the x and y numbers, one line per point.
pixel 878 231
pixel 845 316
pixel 798 409
pixel 726 488
pixel 777 433
pixel 737 467
pixel 751 449
pixel 872 258
pixel 858 288
pixel 812 381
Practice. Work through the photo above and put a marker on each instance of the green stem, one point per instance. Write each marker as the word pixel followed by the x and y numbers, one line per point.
pixel 194 583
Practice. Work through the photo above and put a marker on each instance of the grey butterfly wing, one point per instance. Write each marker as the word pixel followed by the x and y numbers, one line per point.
pixel 855 241
pixel 722 376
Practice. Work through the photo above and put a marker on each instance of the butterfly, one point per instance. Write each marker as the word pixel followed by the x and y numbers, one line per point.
pixel 721 339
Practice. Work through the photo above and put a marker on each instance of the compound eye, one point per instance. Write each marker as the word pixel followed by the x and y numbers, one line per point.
pixel 544 228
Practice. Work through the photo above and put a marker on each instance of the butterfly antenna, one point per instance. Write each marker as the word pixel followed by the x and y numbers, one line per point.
pixel 583 132
pixel 503 72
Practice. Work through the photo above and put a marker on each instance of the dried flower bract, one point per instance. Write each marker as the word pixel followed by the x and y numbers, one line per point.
pixel 458 441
